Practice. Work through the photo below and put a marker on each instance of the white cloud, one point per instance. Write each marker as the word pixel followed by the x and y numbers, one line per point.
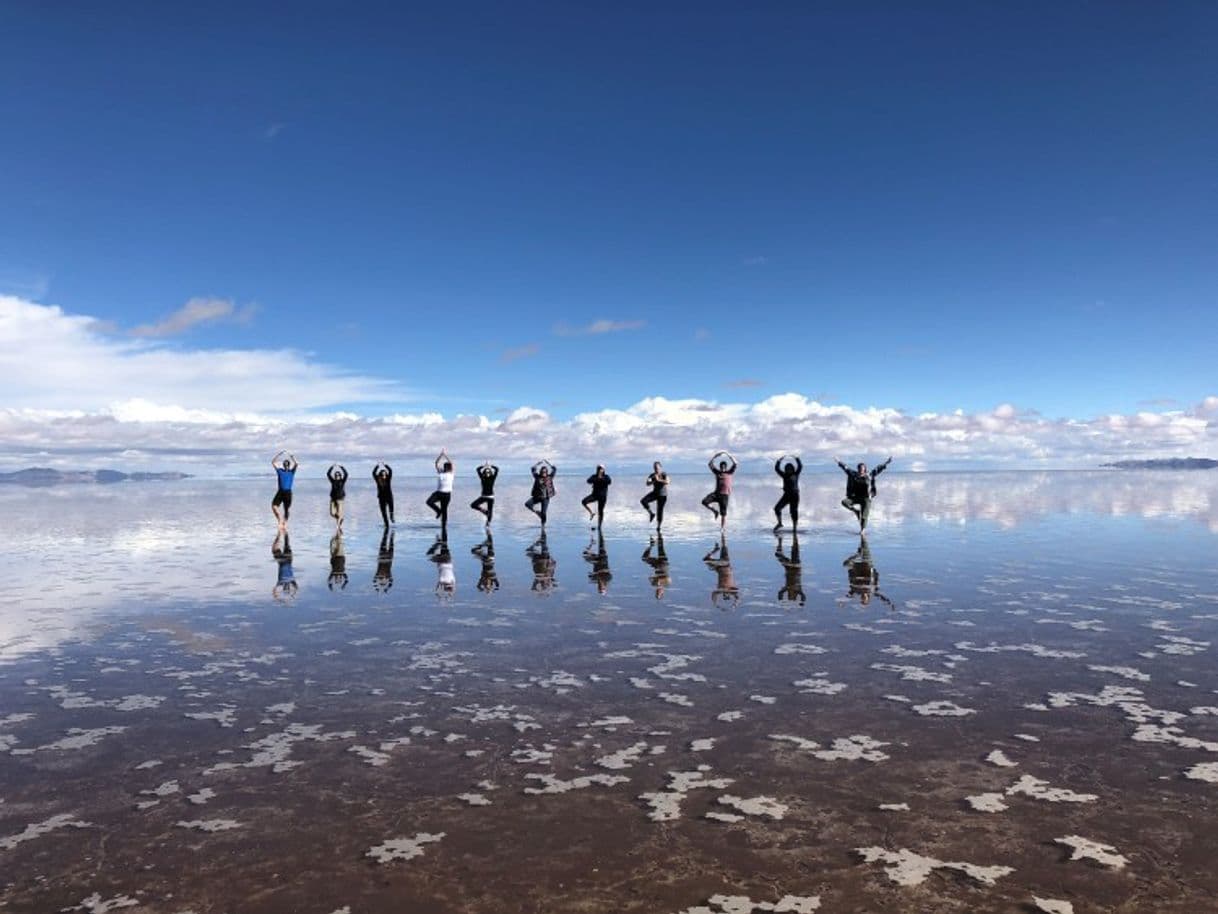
pixel 52 360
pixel 194 312
pixel 597 327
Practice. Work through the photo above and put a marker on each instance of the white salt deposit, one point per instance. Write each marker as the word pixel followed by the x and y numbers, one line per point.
pixel 402 848
pixel 1085 849
pixel 904 867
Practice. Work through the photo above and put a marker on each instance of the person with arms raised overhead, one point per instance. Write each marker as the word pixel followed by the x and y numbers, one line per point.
pixel 600 483
pixel 439 499
pixel 860 489
pixel 788 470
pixel 337 474
pixel 382 475
pixel 543 489
pixel 285 471
pixel 484 504
pixel 658 496
pixel 724 466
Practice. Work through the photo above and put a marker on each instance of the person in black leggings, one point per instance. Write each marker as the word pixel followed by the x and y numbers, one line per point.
pixel 788 471
pixel 382 474
pixel 337 474
pixel 600 483
pixel 485 503
pixel 439 499
pixel 543 489
pixel 716 502
pixel 658 480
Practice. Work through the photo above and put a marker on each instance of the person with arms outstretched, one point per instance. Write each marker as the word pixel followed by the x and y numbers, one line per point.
pixel 382 475
pixel 860 489
pixel 716 501
pixel 285 472
pixel 658 496
pixel 484 504
pixel 788 470
pixel 439 499
pixel 543 489
pixel 600 483
pixel 337 474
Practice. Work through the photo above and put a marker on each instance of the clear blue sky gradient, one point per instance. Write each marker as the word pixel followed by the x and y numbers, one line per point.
pixel 928 206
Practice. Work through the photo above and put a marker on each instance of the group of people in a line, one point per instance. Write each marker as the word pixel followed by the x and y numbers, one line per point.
pixel 861 574
pixel 860 490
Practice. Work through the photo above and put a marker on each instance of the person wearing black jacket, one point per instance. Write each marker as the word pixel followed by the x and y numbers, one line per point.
pixel 788 470
pixel 485 503
pixel 382 474
pixel 658 496
pixel 543 489
pixel 337 474
pixel 600 483
pixel 860 489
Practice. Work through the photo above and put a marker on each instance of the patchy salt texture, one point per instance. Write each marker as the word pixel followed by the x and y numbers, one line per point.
pixel 1125 672
pixel 95 904
pixel 1203 771
pixel 763 699
pixel 209 825
pixel 904 867
pixel 702 745
pixel 743 904
pixel 755 806
pixel 666 805
pixel 553 784
pixel 1037 789
pixel 77 738
pixel 819 686
pixel 402 848
pixel 893 807
pixel 912 673
pixel 728 716
pixel 943 709
pixel 1052 905
pixel 987 802
pixel 999 759
pixel 474 799
pixel 623 758
pixel 38 829
pixel 851 748
pixel 200 798
pixel 1085 849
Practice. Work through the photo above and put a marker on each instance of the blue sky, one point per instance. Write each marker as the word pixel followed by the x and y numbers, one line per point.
pixel 927 207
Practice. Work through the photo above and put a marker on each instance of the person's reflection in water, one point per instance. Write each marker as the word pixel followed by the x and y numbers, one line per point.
pixel 726 594
pixel 660 578
pixel 863 576
pixel 338 563
pixel 544 565
pixel 488 579
pixel 793 589
pixel 446 575
pixel 285 584
pixel 382 581
pixel 598 558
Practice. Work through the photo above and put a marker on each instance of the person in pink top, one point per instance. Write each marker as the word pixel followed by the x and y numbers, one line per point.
pixel 723 465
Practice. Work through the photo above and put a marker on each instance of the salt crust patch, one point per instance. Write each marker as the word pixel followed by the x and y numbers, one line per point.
pixel 402 848
pixel 800 649
pixel 904 867
pixel 77 738
pixel 371 756
pixel 1203 771
pixel 556 785
pixel 38 829
pixel 1036 650
pixel 274 751
pixel 474 799
pixel 1125 672
pixel 1037 789
pixel 755 806
pixel 1026 737
pixel 987 802
pixel 912 673
pixel 198 799
pixel 763 699
pixel 893 807
pixel 729 716
pixel 610 723
pixel 94 904
pixel 1052 905
pixel 702 745
pixel 999 759
pixel 818 686
pixel 943 709
pixel 666 805
pixel 1085 849
pixel 623 758
pixel 225 717
pixel 743 904
pixel 209 825
pixel 850 748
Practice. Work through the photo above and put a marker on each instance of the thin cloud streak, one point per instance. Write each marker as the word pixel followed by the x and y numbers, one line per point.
pixel 195 312
pixel 598 327
pixel 515 354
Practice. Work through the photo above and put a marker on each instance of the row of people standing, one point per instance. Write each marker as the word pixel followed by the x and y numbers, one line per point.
pixel 860 489
pixel 862 576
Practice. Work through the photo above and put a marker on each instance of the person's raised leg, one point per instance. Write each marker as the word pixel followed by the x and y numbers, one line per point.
pixel 710 503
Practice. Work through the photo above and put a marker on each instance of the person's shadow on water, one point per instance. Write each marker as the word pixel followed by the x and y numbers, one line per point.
pixel 863 577
pixel 382 580
pixel 285 588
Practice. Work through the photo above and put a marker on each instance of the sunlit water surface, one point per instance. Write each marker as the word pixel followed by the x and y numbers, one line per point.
pixel 1014 670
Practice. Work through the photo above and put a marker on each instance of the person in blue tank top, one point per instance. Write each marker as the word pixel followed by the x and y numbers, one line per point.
pixel 286 472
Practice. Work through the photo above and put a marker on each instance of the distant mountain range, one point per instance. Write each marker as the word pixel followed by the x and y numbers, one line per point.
pixel 44 476
pixel 1168 463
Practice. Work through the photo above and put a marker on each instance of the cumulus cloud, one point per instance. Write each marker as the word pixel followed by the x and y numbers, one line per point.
pixel 597 327
pixel 194 312
pixel 52 360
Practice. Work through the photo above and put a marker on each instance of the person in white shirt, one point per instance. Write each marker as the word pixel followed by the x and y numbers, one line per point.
pixel 439 499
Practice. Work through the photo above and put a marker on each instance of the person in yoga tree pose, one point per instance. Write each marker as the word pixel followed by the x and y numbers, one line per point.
pixel 337 474
pixel 285 472
pixel 716 501
pixel 488 578
pixel 338 563
pixel 658 496
pixel 860 489
pixel 543 489
pixel 484 504
pixel 788 469
pixel 727 592
pixel 439 499
pixel 382 475
pixel 793 587
pixel 600 483
pixel 660 577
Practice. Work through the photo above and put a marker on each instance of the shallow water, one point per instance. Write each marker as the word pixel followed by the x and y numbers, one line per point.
pixel 612 728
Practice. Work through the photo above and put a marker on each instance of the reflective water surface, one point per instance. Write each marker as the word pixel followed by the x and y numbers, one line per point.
pixel 1005 693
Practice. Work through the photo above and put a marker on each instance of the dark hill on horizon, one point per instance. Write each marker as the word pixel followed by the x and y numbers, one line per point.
pixel 45 476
